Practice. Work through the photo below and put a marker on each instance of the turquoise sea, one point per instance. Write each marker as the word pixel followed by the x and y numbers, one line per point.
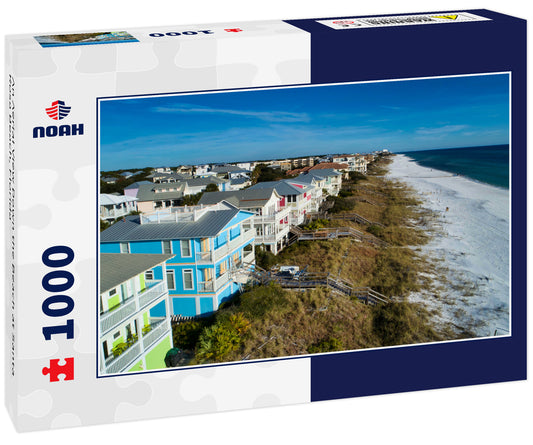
pixel 486 164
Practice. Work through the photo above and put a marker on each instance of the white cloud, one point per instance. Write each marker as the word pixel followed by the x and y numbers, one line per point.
pixel 267 116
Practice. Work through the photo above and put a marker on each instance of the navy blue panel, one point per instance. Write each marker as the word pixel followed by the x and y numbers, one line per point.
pixel 420 51
pixel 414 368
pixel 410 51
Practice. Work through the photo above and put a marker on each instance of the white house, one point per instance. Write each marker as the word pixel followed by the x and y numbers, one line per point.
pixel 116 206
pixel 271 216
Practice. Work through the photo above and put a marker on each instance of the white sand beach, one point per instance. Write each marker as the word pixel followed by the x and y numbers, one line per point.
pixel 472 240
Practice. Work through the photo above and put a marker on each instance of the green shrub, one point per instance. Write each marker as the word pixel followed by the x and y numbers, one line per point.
pixel 375 230
pixel 265 259
pixel 218 341
pixel 329 345
pixel 341 204
pixel 345 193
pixel 186 334
pixel 356 177
pixel 402 323
pixel 316 224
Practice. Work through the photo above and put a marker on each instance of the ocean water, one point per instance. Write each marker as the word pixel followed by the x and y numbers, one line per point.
pixel 485 164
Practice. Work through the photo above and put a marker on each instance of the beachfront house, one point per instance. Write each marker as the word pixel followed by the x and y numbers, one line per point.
pixel 134 313
pixel 271 216
pixel 296 198
pixel 212 247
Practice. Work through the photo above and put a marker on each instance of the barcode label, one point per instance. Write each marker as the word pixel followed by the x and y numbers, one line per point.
pixel 402 20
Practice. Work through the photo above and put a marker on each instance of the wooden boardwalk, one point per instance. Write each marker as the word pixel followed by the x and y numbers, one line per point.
pixel 311 216
pixel 337 285
pixel 328 233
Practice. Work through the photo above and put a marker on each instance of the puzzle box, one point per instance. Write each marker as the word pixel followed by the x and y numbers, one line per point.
pixel 228 216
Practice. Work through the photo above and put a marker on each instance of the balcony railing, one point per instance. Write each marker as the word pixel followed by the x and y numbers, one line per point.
pixel 205 257
pixel 206 286
pixel 117 364
pixel 115 213
pixel 118 314
pixel 240 240
pixel 158 330
pixel 276 217
pixel 154 290
pixel 221 280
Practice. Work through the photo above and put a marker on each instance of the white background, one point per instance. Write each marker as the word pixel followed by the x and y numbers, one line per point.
pixel 488 414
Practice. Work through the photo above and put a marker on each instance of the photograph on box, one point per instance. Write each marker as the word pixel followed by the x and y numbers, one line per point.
pixel 90 38
pixel 279 222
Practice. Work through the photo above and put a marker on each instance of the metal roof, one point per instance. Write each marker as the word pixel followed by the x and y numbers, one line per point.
pixel 135 185
pixel 282 187
pixel 198 182
pixel 147 192
pixel 116 268
pixel 207 226
pixel 228 169
pixel 247 198
pixel 109 199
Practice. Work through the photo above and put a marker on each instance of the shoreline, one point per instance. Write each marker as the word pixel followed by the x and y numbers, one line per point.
pixel 469 245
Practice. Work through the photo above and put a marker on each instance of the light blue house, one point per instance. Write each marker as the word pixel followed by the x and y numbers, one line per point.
pixel 212 250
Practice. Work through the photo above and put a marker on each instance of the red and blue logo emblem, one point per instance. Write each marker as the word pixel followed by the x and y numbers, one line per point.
pixel 58 110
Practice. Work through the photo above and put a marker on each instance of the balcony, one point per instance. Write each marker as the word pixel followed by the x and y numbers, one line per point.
pixel 154 290
pixel 119 363
pixel 205 257
pixel 132 352
pixel 159 328
pixel 235 243
pixel 276 217
pixel 206 286
pixel 113 213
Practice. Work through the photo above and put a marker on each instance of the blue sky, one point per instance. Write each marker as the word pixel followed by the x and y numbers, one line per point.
pixel 275 123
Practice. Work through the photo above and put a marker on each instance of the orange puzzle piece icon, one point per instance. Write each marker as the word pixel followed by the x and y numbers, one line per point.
pixel 55 369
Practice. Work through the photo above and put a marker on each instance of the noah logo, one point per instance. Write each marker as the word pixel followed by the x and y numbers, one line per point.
pixel 57 111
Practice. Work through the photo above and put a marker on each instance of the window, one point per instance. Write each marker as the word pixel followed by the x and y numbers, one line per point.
pixel 112 292
pixel 167 247
pixel 187 279
pixel 149 275
pixel 185 248
pixel 171 282
pixel 124 247
pixel 106 350
pixel 116 335
pixel 221 268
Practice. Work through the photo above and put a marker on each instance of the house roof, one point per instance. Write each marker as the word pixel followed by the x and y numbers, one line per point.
pixel 239 181
pixel 200 182
pixel 109 199
pixel 167 175
pixel 149 191
pixel 324 172
pixel 115 268
pixel 228 169
pixel 207 226
pixel 135 185
pixel 282 187
pixel 245 199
